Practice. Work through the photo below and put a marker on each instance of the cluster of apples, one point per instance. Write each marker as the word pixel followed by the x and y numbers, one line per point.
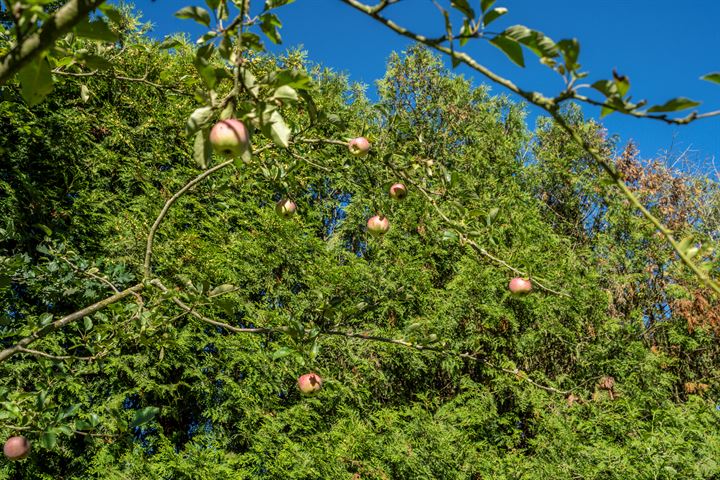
pixel 230 138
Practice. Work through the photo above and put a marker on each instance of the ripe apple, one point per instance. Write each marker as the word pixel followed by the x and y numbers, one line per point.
pixel 520 285
pixel 310 383
pixel 398 191
pixel 16 448
pixel 378 225
pixel 229 137
pixel 285 208
pixel 359 146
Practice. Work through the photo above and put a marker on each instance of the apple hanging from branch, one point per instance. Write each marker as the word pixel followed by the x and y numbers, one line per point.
pixel 16 448
pixel 378 225
pixel 310 383
pixel 285 208
pixel 520 285
pixel 230 138
pixel 359 146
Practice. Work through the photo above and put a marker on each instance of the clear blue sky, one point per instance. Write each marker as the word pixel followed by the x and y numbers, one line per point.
pixel 662 45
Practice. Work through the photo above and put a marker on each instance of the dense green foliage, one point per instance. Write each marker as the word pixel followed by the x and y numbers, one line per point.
pixel 611 373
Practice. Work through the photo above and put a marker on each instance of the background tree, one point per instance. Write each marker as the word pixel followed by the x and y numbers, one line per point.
pixel 209 304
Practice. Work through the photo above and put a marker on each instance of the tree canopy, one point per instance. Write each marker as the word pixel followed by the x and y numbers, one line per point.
pixel 158 311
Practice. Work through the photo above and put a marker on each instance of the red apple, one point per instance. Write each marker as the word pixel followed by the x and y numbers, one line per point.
pixel 359 146
pixel 398 191
pixel 285 208
pixel 520 285
pixel 378 225
pixel 310 383
pixel 16 448
pixel 230 137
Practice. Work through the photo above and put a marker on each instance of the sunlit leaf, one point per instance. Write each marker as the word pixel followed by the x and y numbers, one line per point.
pixel 198 14
pixel 674 105
pixel 511 48
pixel 144 416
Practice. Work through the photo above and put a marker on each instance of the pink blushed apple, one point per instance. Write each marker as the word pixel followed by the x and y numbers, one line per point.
pixel 230 137
pixel 310 383
pixel 359 146
pixel 285 208
pixel 378 225
pixel 398 191
pixel 16 448
pixel 520 285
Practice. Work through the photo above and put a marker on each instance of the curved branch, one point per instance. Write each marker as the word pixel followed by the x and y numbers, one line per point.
pixel 58 24
pixel 173 199
pixel 168 204
pixel 73 317
pixel 550 106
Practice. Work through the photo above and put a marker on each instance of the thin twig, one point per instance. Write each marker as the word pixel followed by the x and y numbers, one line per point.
pixel 60 357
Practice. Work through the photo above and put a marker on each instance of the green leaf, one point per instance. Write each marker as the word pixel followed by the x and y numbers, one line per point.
pixel 279 131
pixel 84 93
pixel 93 61
pixel 492 215
pixel 464 7
pixel 570 50
pixel 219 290
pixel 511 48
pixel 144 416
pixel 70 411
pixel 286 92
pixel 202 150
pixel 202 64
pixel 198 119
pixel 537 42
pixel 711 77
pixel 465 32
pixel 493 15
pixel 169 42
pixel 35 81
pixel 269 26
pixel 48 439
pixel 198 14
pixel 449 236
pixel 112 13
pixel 213 4
pixel 296 79
pixel 95 30
pixel 486 4
pixel 674 105
pixel 46 319
pixel 685 243
pixel 87 321
pixel 281 352
pixel 270 4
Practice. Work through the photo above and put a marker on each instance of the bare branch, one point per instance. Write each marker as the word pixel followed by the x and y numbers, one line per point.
pixel 38 353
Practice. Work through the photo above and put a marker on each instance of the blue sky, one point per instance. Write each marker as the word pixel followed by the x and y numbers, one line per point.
pixel 664 46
